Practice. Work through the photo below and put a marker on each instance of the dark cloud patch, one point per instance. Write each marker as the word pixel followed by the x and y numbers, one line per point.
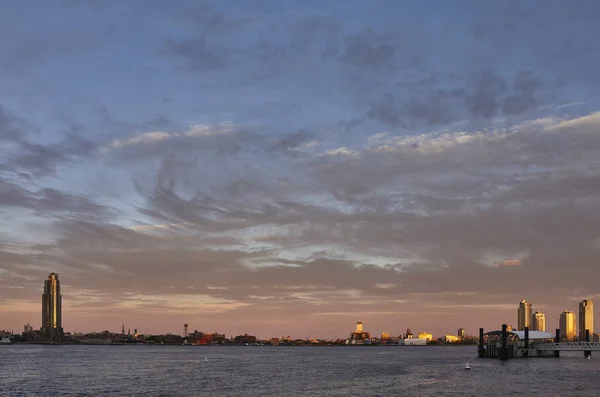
pixel 483 96
pixel 292 141
pixel 48 202
pixel 201 53
pixel 525 86
pixel 368 50
pixel 9 128
pixel 13 195
pixel 44 159
pixel 437 108
pixel 386 111
pixel 485 91
pixel 52 201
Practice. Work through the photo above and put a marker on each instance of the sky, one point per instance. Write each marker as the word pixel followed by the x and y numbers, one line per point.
pixel 293 167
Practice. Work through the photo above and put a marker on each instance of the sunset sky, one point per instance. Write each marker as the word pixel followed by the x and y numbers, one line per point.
pixel 292 167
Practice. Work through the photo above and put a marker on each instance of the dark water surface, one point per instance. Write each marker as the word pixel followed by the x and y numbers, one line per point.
pixel 30 370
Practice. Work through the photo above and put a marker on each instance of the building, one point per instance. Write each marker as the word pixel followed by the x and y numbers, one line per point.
pixel 461 333
pixel 425 335
pixel 451 339
pixel 539 322
pixel 27 328
pixel 359 336
pixel 524 315
pixel 491 345
pixel 385 335
pixel 413 342
pixel 586 318
pixel 245 339
pixel 567 326
pixel 51 330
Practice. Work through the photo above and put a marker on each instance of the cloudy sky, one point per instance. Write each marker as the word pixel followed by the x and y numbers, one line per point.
pixel 292 167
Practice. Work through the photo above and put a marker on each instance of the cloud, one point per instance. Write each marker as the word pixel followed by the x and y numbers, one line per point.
pixel 368 164
pixel 195 131
pixel 368 50
pixel 342 151
pixel 49 202
pixel 507 262
pixel 9 129
pixel 479 97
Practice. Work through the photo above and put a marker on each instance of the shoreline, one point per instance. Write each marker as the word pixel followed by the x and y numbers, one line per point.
pixel 229 345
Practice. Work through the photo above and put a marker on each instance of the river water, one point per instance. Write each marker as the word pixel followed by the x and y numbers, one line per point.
pixel 38 370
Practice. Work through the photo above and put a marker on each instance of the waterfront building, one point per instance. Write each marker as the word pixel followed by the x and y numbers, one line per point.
pixel 461 333
pixel 567 326
pixel 359 336
pixel 539 321
pixel 586 318
pixel 27 328
pixel 426 335
pixel 385 335
pixel 524 315
pixel 451 339
pixel 412 342
pixel 52 331
pixel 245 339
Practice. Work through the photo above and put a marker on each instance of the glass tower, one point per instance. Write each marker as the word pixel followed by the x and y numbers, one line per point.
pixel 539 321
pixel 586 319
pixel 52 331
pixel 567 326
pixel 524 315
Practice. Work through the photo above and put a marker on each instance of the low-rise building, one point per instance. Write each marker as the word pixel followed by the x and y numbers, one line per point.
pixel 413 342
pixel 451 339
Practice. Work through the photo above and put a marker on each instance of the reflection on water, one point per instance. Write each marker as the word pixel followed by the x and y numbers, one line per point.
pixel 286 371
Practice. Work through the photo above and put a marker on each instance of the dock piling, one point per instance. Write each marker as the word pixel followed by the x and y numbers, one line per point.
pixel 480 349
pixel 587 353
pixel 526 351
pixel 503 349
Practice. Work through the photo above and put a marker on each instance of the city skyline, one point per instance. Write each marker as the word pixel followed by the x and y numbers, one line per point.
pixel 290 168
pixel 51 330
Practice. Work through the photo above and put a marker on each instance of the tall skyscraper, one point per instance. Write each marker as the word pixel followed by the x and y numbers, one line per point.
pixel 461 333
pixel 524 315
pixel 567 326
pixel 52 331
pixel 586 318
pixel 539 321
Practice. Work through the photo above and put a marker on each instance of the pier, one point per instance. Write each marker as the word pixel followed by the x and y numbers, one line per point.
pixel 506 344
